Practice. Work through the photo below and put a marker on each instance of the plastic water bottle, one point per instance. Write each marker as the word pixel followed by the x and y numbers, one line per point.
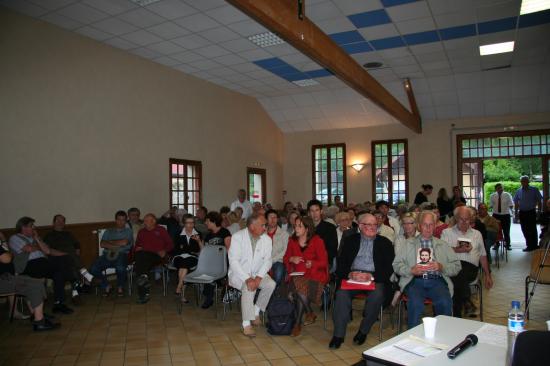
pixel 516 323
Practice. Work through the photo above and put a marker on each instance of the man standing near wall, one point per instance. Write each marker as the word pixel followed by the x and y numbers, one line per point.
pixel 501 202
pixel 527 200
pixel 242 202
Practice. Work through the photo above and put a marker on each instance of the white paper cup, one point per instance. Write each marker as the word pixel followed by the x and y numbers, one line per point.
pixel 429 327
pixel 548 324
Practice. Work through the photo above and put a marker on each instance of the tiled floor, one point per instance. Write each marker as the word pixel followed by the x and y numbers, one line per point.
pixel 118 332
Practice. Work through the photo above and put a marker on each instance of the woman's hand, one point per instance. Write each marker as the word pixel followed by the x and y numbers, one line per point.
pixel 296 260
pixel 309 264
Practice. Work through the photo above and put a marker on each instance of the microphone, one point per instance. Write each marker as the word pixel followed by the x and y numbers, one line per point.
pixel 469 341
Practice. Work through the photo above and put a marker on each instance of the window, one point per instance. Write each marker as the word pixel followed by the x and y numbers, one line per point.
pixel 185 184
pixel 256 185
pixel 520 144
pixel 390 171
pixel 329 172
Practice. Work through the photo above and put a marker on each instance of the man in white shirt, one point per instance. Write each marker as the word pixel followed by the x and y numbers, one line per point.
pixel 384 208
pixel 249 262
pixel 469 248
pixel 242 202
pixel 502 203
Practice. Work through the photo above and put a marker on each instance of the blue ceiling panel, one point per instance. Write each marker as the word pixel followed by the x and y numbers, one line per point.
pixel 343 38
pixel 421 37
pixel 370 18
pixel 359 47
pixel 461 31
pixel 498 25
pixel 390 42
pixel 538 18
pixel 388 3
pixel 270 63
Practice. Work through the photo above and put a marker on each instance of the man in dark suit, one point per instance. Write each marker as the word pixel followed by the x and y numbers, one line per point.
pixel 364 257
pixel 324 229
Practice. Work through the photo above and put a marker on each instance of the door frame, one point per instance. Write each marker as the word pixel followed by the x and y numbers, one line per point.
pixel 263 174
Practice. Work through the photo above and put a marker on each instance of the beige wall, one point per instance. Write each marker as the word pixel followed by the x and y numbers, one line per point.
pixel 87 129
pixel 432 154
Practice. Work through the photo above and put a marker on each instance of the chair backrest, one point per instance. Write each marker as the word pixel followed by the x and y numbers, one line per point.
pixel 213 261
pixel 100 233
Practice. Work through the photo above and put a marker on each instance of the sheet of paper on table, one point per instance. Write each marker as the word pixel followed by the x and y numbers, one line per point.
pixel 398 355
pixel 422 349
pixel 493 334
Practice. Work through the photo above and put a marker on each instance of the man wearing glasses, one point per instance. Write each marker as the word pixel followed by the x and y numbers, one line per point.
pixel 364 257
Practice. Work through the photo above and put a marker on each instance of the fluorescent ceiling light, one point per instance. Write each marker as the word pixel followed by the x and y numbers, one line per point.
pixel 533 6
pixel 265 39
pixel 492 49
pixel 305 82
pixel 144 2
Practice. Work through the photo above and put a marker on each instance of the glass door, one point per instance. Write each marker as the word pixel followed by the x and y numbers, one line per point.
pixel 472 181
pixel 256 185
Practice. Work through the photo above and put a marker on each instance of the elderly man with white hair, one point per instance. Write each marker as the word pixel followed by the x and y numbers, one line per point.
pixel 467 243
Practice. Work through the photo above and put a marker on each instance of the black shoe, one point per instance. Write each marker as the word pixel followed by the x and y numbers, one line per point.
pixel 494 248
pixel 62 308
pixel 44 325
pixel 85 289
pixel 335 342
pixel 207 303
pixel 509 247
pixel 528 249
pixel 359 338
pixel 143 287
pixel 143 300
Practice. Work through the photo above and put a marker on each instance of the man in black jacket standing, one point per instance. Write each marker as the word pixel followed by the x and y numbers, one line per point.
pixel 364 257
pixel 324 229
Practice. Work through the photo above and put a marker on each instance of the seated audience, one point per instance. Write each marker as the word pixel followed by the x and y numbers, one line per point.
pixel 288 207
pixel 172 220
pixel 234 225
pixel 364 257
pixel 200 221
pixel 185 255
pixel 324 229
pixel 351 212
pixel 306 253
pixel 384 208
pixel 279 238
pixel 134 221
pixel 421 281
pixel 330 214
pixel 292 216
pixel 492 227
pixel 458 196
pixel 408 222
pixel 33 290
pixel 243 203
pixel 152 244
pixel 470 250
pixel 338 203
pixel 30 258
pixel 116 243
pixel 383 229
pixel 239 212
pixel 444 204
pixel 224 211
pixel 63 243
pixel 217 235
pixel 249 262
pixel 343 224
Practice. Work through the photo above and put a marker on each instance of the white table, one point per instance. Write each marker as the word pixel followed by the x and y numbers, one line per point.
pixel 450 331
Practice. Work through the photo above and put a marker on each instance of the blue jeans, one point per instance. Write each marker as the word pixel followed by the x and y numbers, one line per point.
pixel 418 290
pixel 489 242
pixel 120 265
pixel 279 272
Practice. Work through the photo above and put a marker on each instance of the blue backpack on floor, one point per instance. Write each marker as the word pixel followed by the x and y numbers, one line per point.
pixel 280 316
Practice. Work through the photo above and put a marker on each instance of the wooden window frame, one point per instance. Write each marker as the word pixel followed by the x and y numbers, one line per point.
pixel 198 166
pixel 263 173
pixel 390 180
pixel 460 159
pixel 329 182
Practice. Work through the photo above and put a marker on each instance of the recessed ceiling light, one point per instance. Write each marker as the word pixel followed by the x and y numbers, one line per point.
pixel 305 82
pixel 533 6
pixel 492 49
pixel 265 39
pixel 144 2
pixel 373 65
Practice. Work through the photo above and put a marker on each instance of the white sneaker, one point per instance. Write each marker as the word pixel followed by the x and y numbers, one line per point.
pixel 74 293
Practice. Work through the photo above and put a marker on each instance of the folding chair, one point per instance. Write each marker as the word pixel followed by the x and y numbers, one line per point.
pixel 111 271
pixel 403 300
pixel 212 266
pixel 477 287
pixel 17 298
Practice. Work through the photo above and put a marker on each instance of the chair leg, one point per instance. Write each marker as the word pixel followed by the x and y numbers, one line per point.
pixel 527 280
pixel 130 281
pixel 399 314
pixel 380 325
pixel 216 299
pixel 12 309
pixel 480 302
pixel 164 282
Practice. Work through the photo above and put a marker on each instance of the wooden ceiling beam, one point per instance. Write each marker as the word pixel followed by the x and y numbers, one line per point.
pixel 281 17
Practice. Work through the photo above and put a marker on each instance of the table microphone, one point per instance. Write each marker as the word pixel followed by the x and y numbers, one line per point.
pixel 469 341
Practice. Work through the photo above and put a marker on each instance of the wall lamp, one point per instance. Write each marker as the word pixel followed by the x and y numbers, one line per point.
pixel 358 167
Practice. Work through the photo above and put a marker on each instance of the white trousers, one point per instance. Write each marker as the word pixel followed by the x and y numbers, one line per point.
pixel 267 286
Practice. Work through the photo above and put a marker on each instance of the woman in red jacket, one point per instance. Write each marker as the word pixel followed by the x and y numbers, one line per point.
pixel 306 261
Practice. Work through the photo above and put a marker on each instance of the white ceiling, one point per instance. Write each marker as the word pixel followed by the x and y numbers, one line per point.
pixel 208 39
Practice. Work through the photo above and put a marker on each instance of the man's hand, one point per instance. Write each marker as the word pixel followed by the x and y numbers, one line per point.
pixel 360 276
pixel 251 284
pixel 488 281
pixel 296 260
pixel 257 280
pixel 434 266
pixel 418 269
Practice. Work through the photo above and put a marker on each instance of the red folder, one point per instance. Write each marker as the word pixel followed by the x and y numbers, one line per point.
pixel 347 285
